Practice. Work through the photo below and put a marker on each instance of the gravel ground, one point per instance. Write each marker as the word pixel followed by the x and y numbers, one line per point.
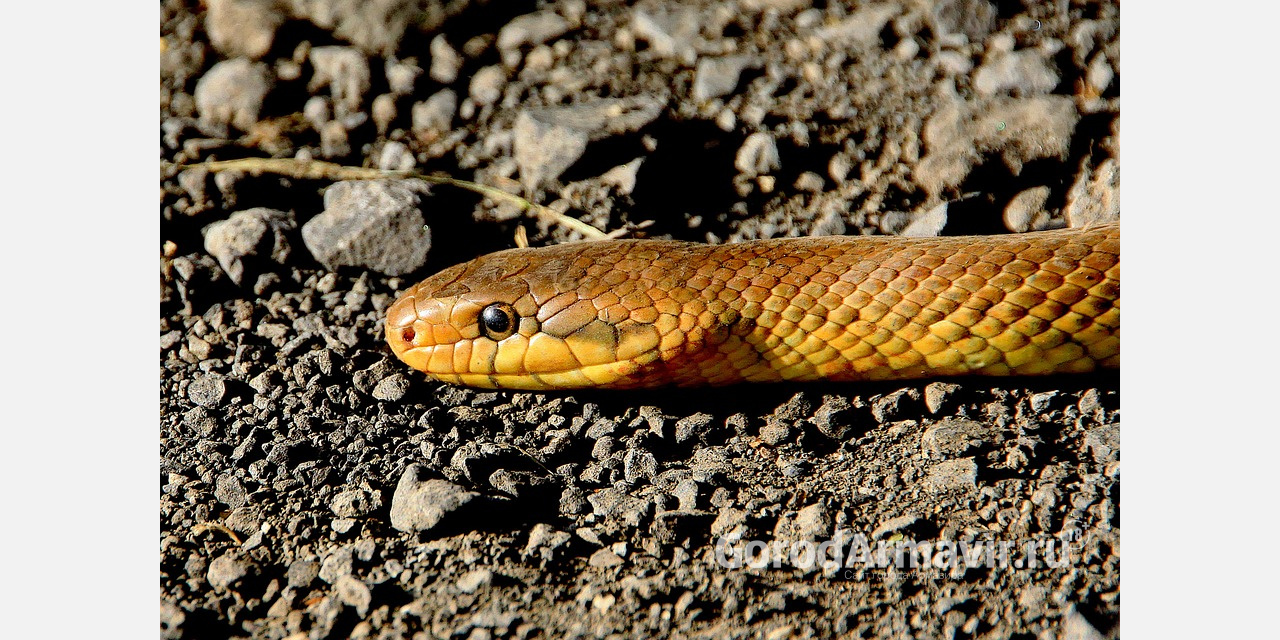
pixel 313 486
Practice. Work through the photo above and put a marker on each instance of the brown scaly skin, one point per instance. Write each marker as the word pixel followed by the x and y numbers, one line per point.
pixel 648 313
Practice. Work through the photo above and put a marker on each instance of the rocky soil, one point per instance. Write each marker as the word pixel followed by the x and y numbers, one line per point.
pixel 312 486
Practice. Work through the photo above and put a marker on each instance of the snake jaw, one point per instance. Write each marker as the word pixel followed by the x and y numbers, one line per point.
pixel 403 336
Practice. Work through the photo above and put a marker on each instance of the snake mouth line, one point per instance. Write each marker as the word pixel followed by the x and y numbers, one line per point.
pixel 565 378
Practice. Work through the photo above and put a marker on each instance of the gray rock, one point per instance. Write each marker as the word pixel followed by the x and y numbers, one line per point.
pixel 318 110
pixel 546 542
pixel 614 503
pixel 345 70
pixel 885 408
pixel 341 562
pixel 231 93
pixel 354 593
pixel 391 388
pixel 758 155
pixel 1100 74
pixel 812 522
pixel 937 393
pixel 226 570
pixel 333 140
pixel 974 19
pixel 1027 72
pixel 207 390
pixel 445 61
pixel 433 117
pixel 376 26
pixel 495 618
pixel 830 223
pixel 669 34
pixel 639 466
pixel 355 503
pixel 834 417
pixel 1077 627
pixel 171 619
pixel 383 111
pixel 774 432
pixel 953 475
pixel 250 236
pixel 486 85
pixel 230 491
pixel 690 427
pixel 572 501
pixel 928 224
pixel 604 558
pixel 242 28
pixel 953 437
pixel 545 148
pixel 1025 211
pixel 474 580
pixel 861 30
pixel 623 177
pixel 420 505
pixel 1094 198
pixel 371 224
pixel 1039 402
pixel 531 29
pixel 548 141
pixel 813 183
pixel 728 521
pixel 402 75
pixel 396 156
pixel 1103 443
pixel 302 573
pixel 687 492
pixel 716 77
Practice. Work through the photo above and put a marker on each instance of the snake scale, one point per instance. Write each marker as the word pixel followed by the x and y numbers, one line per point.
pixel 649 313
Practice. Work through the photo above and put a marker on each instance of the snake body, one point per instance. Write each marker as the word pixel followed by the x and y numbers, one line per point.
pixel 647 313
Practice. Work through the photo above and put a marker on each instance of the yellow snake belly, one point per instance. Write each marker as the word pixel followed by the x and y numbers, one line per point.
pixel 648 313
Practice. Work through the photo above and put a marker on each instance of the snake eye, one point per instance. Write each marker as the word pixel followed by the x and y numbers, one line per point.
pixel 497 321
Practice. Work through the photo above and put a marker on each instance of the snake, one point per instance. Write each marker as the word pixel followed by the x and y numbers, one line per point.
pixel 650 313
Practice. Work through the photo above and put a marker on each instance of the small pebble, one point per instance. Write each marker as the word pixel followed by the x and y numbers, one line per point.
pixel 474 580
pixel 604 558
pixel 1025 211
pixel 242 28
pixel 354 593
pixel 486 85
pixel 207 390
pixel 226 570
pixel 402 76
pixel 433 117
pixel 718 77
pixel 758 155
pixel 259 234
pixel 384 112
pixel 445 61
pixel 231 93
pixel 391 388
pixel 421 504
pixel 345 70
pixel 333 140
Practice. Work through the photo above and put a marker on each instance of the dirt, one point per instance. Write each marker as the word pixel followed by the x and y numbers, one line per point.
pixel 313 486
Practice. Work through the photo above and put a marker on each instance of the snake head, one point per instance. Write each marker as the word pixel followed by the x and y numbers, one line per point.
pixel 570 316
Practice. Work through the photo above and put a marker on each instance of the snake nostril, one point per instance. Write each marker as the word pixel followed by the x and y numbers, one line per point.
pixel 408 335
